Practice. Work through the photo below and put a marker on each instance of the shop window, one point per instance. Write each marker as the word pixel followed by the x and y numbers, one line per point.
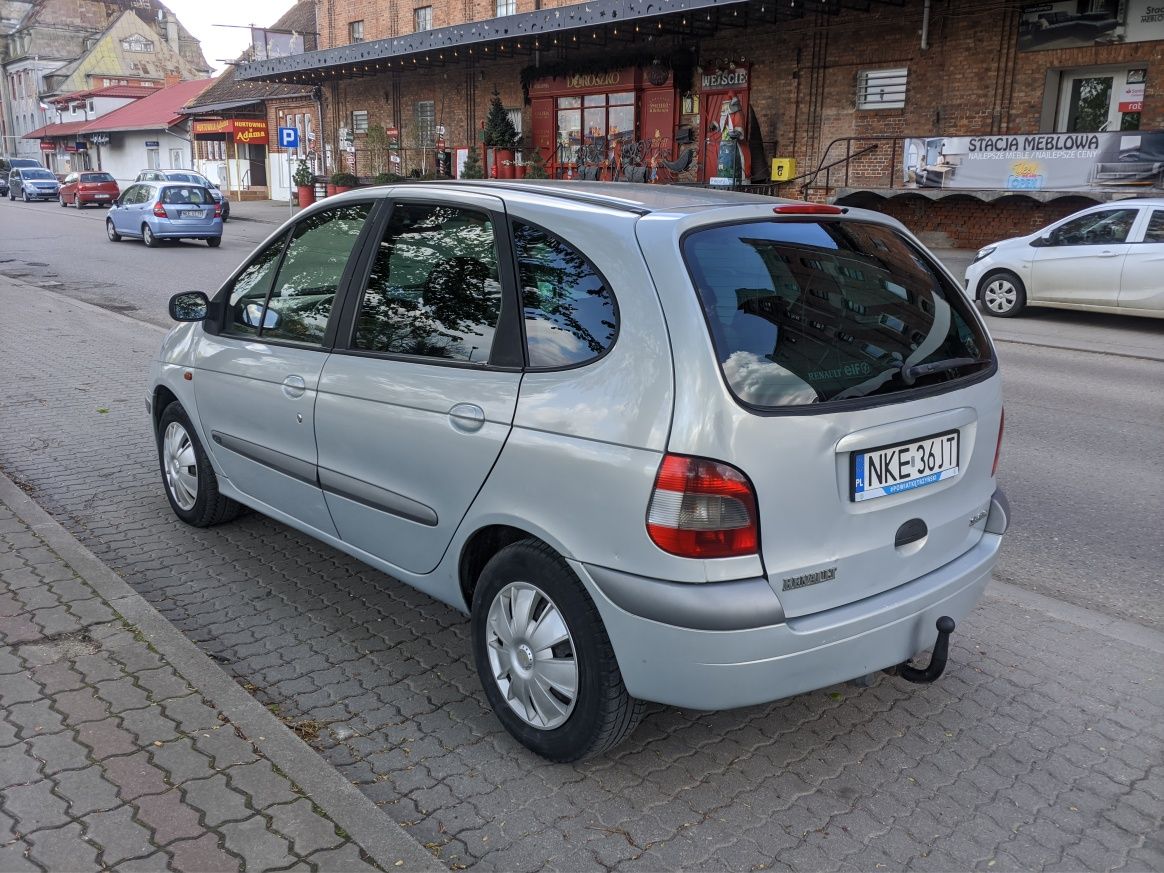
pixel 356 31
pixel 425 123
pixel 597 124
pixel 359 121
pixel 881 89
pixel 1100 99
pixel 422 16
pixel 506 7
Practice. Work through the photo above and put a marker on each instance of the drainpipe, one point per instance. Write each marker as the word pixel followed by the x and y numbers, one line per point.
pixel 925 30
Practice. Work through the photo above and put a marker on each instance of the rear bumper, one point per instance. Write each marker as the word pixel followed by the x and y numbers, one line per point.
pixel 699 668
pixel 175 230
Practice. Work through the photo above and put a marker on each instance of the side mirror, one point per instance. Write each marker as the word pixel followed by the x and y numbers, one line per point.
pixel 189 306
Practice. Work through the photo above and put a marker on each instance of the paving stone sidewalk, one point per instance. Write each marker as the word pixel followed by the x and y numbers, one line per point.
pixel 111 757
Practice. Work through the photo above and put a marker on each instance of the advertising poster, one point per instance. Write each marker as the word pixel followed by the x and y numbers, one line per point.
pixel 1074 24
pixel 1036 162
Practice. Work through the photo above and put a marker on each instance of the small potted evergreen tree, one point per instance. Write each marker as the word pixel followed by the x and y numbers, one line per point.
pixel 472 168
pixel 304 182
pixel 344 182
pixel 500 135
pixel 535 167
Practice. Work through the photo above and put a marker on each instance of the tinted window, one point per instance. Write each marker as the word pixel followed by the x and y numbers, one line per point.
pixel 179 194
pixel 248 294
pixel 309 277
pixel 1155 231
pixel 570 312
pixel 434 287
pixel 1097 228
pixel 807 312
pixel 96 177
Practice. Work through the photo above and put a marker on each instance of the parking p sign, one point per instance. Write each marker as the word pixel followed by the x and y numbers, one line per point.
pixel 289 137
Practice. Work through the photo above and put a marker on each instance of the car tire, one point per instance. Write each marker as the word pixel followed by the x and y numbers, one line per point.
pixel 77 201
pixel 148 237
pixel 27 199
pixel 111 232
pixel 1003 294
pixel 64 205
pixel 225 212
pixel 524 589
pixel 187 475
pixel 214 241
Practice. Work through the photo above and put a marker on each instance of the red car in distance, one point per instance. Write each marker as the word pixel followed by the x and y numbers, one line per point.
pixel 89 186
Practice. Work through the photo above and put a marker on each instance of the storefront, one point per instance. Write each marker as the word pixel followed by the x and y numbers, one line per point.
pixel 232 151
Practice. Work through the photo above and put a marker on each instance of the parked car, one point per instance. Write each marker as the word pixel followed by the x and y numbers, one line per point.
pixel 8 164
pixel 4 183
pixel 32 183
pixel 661 444
pixel 156 211
pixel 1103 259
pixel 85 187
pixel 188 176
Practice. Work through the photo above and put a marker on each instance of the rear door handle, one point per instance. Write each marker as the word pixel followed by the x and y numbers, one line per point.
pixel 467 417
pixel 294 386
pixel 1108 254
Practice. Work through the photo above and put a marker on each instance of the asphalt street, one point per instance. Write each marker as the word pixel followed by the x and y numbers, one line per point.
pixel 1083 461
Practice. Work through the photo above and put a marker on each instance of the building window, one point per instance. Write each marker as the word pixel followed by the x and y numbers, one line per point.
pixel 515 119
pixel 137 43
pixel 599 124
pixel 425 123
pixel 506 7
pixel 423 17
pixel 881 89
pixel 89 106
pixel 356 31
pixel 359 121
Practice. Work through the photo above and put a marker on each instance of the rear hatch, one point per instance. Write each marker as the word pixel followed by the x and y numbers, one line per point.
pixel 855 396
pixel 98 186
pixel 188 205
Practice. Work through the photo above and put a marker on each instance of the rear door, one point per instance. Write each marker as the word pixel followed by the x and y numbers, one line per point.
pixel 868 468
pixel 413 413
pixel 1141 288
pixel 1084 258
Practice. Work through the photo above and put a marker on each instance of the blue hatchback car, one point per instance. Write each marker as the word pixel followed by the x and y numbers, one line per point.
pixel 156 211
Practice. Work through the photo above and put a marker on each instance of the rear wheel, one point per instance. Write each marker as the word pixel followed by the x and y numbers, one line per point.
pixel 191 485
pixel 214 241
pixel 544 658
pixel 147 236
pixel 1003 294
pixel 111 231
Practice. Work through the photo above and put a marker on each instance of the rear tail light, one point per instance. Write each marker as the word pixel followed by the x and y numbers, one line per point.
pixel 998 445
pixel 703 509
pixel 218 209
pixel 159 210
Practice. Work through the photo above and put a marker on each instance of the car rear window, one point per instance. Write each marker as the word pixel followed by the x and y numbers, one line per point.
pixel 809 312
pixel 179 194
pixel 96 177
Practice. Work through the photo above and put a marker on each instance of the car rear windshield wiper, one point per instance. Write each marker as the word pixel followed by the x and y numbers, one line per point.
pixel 911 372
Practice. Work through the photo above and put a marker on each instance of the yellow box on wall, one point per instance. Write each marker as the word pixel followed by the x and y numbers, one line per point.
pixel 783 169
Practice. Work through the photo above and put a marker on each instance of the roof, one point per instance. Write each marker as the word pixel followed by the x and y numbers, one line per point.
pixel 128 92
pixel 66 128
pixel 158 111
pixel 230 92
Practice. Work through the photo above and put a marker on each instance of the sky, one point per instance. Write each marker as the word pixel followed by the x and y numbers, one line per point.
pixel 220 44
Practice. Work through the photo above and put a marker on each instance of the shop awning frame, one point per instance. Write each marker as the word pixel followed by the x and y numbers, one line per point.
pixel 559 29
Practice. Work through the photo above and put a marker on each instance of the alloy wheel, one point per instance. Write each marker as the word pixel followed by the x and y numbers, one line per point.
pixel 532 655
pixel 77 201
pixel 1000 295
pixel 181 466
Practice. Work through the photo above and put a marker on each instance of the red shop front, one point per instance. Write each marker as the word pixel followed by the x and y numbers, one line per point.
pixel 609 125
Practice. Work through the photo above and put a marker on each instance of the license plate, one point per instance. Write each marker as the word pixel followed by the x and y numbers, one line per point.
pixel 904 466
pixel 101 196
pixel 191 213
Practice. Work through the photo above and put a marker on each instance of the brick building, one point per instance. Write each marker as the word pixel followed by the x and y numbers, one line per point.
pixel 969 119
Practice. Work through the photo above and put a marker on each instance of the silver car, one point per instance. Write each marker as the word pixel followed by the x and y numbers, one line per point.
pixel 661 444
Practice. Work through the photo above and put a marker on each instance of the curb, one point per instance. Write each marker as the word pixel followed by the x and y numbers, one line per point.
pixel 378 835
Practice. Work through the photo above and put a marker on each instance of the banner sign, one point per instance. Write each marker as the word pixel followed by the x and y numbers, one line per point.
pixel 1061 24
pixel 242 129
pixel 1036 162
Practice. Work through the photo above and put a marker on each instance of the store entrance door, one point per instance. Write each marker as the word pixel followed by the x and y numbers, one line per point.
pixel 725 158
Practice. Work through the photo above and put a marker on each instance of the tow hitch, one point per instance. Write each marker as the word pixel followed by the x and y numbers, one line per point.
pixel 937 660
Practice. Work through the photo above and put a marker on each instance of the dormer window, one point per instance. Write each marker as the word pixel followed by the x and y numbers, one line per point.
pixel 137 43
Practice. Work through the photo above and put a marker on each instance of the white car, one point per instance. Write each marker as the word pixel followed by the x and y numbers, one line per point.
pixel 1107 258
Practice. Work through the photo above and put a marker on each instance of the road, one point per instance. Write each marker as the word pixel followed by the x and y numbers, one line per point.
pixel 1083 461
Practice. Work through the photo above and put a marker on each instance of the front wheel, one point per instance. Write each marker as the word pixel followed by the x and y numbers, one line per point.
pixel 111 231
pixel 27 199
pixel 191 484
pixel 1003 294
pixel 64 205
pixel 544 658
pixel 147 236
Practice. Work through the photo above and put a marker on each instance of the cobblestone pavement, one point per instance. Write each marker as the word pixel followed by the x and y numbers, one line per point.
pixel 110 759
pixel 1042 746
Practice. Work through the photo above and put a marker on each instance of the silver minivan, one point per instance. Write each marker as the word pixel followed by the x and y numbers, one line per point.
pixel 661 444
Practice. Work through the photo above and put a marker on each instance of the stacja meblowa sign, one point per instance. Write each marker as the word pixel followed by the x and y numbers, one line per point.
pixel 243 130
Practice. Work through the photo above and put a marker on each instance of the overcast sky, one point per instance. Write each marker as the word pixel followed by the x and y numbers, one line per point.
pixel 226 43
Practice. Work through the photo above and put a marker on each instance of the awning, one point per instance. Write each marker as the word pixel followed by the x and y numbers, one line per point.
pixel 215 108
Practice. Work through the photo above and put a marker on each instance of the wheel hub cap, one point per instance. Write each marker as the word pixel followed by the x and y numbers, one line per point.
pixel 180 465
pixel 532 656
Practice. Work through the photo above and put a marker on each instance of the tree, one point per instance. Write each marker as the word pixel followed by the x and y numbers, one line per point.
pixel 377 142
pixel 535 167
pixel 473 168
pixel 499 130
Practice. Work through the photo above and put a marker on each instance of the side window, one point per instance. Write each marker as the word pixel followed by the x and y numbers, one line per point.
pixel 248 295
pixel 1155 231
pixel 1095 229
pixel 570 312
pixel 434 289
pixel 305 289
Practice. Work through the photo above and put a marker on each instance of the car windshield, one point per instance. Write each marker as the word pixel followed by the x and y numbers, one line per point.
pixel 96 177
pixel 806 312
pixel 38 174
pixel 176 195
